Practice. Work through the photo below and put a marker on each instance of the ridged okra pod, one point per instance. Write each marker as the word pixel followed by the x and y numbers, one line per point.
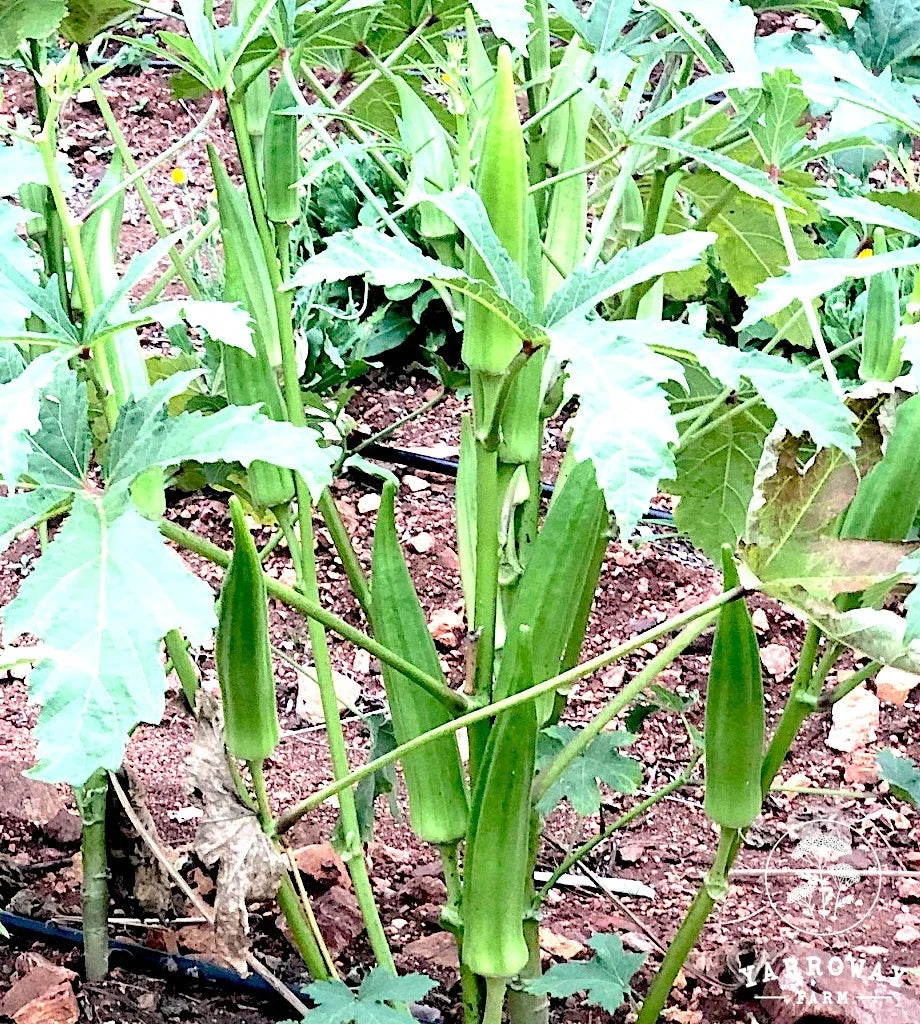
pixel 438 803
pixel 243 653
pixel 489 344
pixel 881 346
pixel 250 380
pixel 283 167
pixel 498 848
pixel 735 716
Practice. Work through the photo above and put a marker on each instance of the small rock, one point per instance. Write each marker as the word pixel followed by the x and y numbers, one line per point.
pixel 908 934
pixel 893 685
pixel 368 503
pixel 861 767
pixel 25 799
pixel 415 483
pixel 361 662
pixel 42 995
pixel 760 620
pixel 398 923
pixel 909 889
pixel 855 720
pixel 322 865
pixel 439 948
pixel 309 705
pixel 778 660
pixel 422 543
pixel 339 918
pixel 64 829
pixel 446 626
pixel 630 853
pixel 559 946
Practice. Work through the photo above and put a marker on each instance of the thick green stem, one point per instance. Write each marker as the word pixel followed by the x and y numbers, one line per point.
pixel 302 933
pixel 525 1007
pixel 488 512
pixel 91 800
pixel 686 937
pixel 495 1000
pixel 53 242
pixel 451 920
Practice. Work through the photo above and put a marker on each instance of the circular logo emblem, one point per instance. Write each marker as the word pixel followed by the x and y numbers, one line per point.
pixel 827 882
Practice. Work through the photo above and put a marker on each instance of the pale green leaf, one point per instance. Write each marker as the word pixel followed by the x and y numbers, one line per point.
pixel 20 400
pixel 750 180
pixel 147 436
pixel 811 278
pixel 728 22
pixel 715 479
pixel 464 207
pixel 779 130
pixel 887 32
pixel 87 18
pixel 337 1004
pixel 630 450
pixel 871 632
pixel 21 511
pixel 384 260
pixel 509 20
pixel 863 209
pixel 663 254
pixel 105 674
pixel 227 322
pixel 603 27
pixel 606 978
pixel 27 19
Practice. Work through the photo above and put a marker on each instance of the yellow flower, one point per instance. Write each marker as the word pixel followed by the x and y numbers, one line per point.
pixel 178 176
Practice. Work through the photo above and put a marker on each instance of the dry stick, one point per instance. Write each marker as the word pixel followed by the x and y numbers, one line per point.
pixel 197 902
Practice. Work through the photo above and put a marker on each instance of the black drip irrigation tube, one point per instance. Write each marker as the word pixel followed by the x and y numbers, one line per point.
pixel 157 961
pixel 448 467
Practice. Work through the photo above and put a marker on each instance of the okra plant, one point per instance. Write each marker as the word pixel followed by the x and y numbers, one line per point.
pixel 619 210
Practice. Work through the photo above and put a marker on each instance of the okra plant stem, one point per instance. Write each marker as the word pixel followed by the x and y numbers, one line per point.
pixel 564 679
pixel 153 212
pixel 53 243
pixel 802 700
pixel 301 932
pixel 312 609
pixel 91 801
pixel 495 1000
pixel 183 665
pixel 585 737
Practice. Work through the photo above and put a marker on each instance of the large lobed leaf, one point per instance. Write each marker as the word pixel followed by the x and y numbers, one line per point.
pixel 606 978
pixel 102 597
pixel 27 19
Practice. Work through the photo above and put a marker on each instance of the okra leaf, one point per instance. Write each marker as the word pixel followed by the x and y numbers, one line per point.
pixel 21 511
pixel 811 278
pixel 606 978
pixel 731 25
pixel 337 1004
pixel 801 401
pixel 464 207
pixel 146 436
pixel 104 673
pixel 87 18
pixel 584 289
pixel 603 27
pixel 227 322
pixel 792 541
pixel 385 260
pixel 868 211
pixel 715 478
pixel 902 774
pixel 601 762
pixel 26 19
pixel 508 19
pixel 911 566
pixel 20 406
pixel 390 261
pixel 631 451
pixel 750 180
pixel 780 131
